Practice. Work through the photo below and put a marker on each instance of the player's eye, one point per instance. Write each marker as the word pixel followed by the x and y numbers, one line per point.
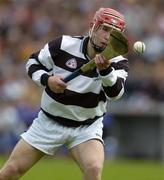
pixel 106 28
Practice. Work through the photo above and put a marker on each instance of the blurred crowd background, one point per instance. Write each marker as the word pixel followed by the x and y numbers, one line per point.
pixel 26 25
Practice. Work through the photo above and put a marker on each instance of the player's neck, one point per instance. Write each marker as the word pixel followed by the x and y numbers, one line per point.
pixel 90 51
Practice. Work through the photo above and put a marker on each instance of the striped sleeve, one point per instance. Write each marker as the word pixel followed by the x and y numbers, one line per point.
pixel 113 78
pixel 40 64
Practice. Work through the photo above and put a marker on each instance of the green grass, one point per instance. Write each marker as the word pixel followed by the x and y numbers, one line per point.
pixel 66 169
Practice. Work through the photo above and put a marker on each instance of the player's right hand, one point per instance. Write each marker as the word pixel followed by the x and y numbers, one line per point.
pixel 101 62
pixel 56 84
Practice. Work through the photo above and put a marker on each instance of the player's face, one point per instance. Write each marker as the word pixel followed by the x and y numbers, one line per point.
pixel 101 36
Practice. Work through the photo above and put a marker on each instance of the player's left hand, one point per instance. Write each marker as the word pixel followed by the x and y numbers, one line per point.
pixel 101 62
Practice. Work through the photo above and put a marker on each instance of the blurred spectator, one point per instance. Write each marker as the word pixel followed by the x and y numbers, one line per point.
pixel 10 127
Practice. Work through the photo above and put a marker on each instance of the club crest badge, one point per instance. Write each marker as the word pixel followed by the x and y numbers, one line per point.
pixel 72 63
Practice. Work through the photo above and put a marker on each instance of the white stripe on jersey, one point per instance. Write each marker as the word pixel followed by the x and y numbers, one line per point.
pixel 70 111
pixel 110 79
pixel 84 84
pixel 121 73
pixel 45 57
pixel 30 62
pixel 81 84
pixel 113 77
pixel 72 46
pixel 36 76
pixel 118 96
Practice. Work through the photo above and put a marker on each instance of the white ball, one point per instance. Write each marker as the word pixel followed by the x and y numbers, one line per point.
pixel 139 47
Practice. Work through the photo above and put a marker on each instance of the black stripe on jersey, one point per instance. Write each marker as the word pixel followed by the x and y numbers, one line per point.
pixel 36 67
pixel 64 57
pixel 71 123
pixel 106 71
pixel 60 57
pixel 84 46
pixel 123 64
pixel 114 90
pixel 86 100
pixel 92 73
pixel 54 47
pixel 44 79
pixel 35 56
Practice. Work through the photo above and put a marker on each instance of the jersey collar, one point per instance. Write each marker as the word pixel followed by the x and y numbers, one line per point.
pixel 84 46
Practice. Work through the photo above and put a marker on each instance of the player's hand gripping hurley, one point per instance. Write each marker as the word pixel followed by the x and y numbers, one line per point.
pixel 118 45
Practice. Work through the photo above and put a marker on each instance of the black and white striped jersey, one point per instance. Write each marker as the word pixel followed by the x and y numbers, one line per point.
pixel 86 96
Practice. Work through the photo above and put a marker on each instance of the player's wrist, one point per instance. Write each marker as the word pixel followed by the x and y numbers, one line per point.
pixel 106 71
pixel 44 79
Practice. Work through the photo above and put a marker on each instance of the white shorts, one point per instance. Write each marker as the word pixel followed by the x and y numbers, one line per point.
pixel 47 135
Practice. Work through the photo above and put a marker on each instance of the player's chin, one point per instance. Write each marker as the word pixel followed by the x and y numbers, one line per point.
pixel 103 46
pixel 100 48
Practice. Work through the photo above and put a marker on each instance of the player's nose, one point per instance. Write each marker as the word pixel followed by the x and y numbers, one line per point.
pixel 107 36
